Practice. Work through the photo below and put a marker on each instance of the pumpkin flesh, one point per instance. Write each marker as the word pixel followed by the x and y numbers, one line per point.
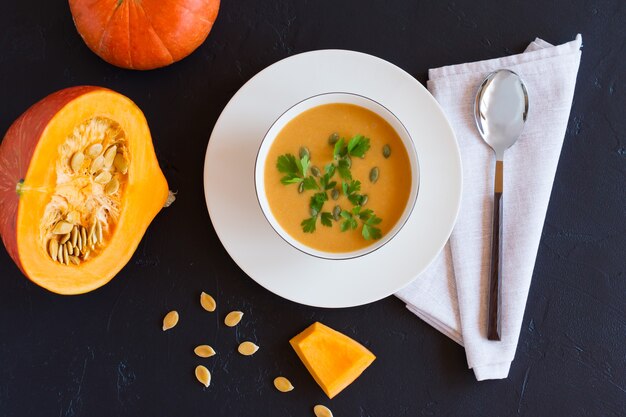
pixel 47 128
pixel 333 359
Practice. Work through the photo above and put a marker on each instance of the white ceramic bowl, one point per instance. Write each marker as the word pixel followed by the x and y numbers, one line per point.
pixel 307 104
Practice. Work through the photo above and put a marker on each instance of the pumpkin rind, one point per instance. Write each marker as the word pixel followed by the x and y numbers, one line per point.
pixel 143 34
pixel 28 153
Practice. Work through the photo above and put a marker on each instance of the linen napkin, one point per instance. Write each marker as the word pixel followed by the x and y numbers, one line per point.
pixel 452 294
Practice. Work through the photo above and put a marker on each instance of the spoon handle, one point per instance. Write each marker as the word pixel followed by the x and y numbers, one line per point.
pixel 495 274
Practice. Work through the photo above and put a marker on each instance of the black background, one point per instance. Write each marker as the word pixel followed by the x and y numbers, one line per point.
pixel 104 354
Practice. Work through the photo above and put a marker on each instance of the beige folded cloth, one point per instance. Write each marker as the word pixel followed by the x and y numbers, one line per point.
pixel 452 294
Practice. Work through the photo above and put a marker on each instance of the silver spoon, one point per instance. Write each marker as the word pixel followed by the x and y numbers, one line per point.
pixel 500 110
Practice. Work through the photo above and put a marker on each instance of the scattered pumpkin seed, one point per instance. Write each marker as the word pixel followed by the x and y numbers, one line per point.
pixel 336 213
pixel 112 187
pixel 233 318
pixel 204 351
pixel 374 174
pixel 203 375
pixel 62 228
pixel 109 156
pixel 333 138
pixel 304 151
pixel 301 188
pixel 364 199
pixel 247 348
pixel 65 238
pixel 120 163
pixel 316 171
pixel 282 384
pixel 77 161
pixel 207 302
pixel 349 161
pixel 53 248
pixel 103 177
pixel 170 320
pixel 314 212
pixel 97 164
pixel 334 194
pixel 93 150
pixel 386 151
pixel 322 411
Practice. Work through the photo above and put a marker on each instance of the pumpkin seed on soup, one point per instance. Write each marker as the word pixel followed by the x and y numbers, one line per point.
pixel 315 171
pixel 374 174
pixel 336 213
pixel 386 151
pixel 333 138
pixel 304 151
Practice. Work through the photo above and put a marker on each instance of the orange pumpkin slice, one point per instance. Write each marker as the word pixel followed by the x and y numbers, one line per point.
pixel 333 359
pixel 79 185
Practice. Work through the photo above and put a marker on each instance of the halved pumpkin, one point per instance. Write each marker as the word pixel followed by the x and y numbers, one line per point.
pixel 79 185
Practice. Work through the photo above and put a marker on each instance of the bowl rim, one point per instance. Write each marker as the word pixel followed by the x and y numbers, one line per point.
pixel 337 256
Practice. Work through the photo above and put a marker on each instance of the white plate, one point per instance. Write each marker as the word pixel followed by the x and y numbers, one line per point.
pixel 249 238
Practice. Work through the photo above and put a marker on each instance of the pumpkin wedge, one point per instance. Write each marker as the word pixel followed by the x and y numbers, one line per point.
pixel 333 359
pixel 79 185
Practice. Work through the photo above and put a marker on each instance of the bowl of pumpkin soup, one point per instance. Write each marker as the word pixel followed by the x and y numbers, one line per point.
pixel 337 175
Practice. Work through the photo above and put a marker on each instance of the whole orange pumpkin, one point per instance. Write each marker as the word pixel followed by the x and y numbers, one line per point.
pixel 143 34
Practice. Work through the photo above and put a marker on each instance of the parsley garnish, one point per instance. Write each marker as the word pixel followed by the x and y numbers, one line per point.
pixel 296 171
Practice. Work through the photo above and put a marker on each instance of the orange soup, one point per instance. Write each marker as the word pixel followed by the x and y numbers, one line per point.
pixel 337 178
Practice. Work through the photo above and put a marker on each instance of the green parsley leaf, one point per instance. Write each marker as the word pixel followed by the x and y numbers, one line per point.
pixel 290 179
pixel 371 232
pixel 358 146
pixel 308 225
pixel 343 167
pixel 330 169
pixel 317 201
pixel 340 149
pixel 304 164
pixel 309 183
pixel 286 164
pixel 326 219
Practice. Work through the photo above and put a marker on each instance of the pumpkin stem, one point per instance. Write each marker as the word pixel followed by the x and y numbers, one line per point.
pixel 19 188
pixel 171 197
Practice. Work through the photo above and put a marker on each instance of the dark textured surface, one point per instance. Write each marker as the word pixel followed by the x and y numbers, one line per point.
pixel 103 354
